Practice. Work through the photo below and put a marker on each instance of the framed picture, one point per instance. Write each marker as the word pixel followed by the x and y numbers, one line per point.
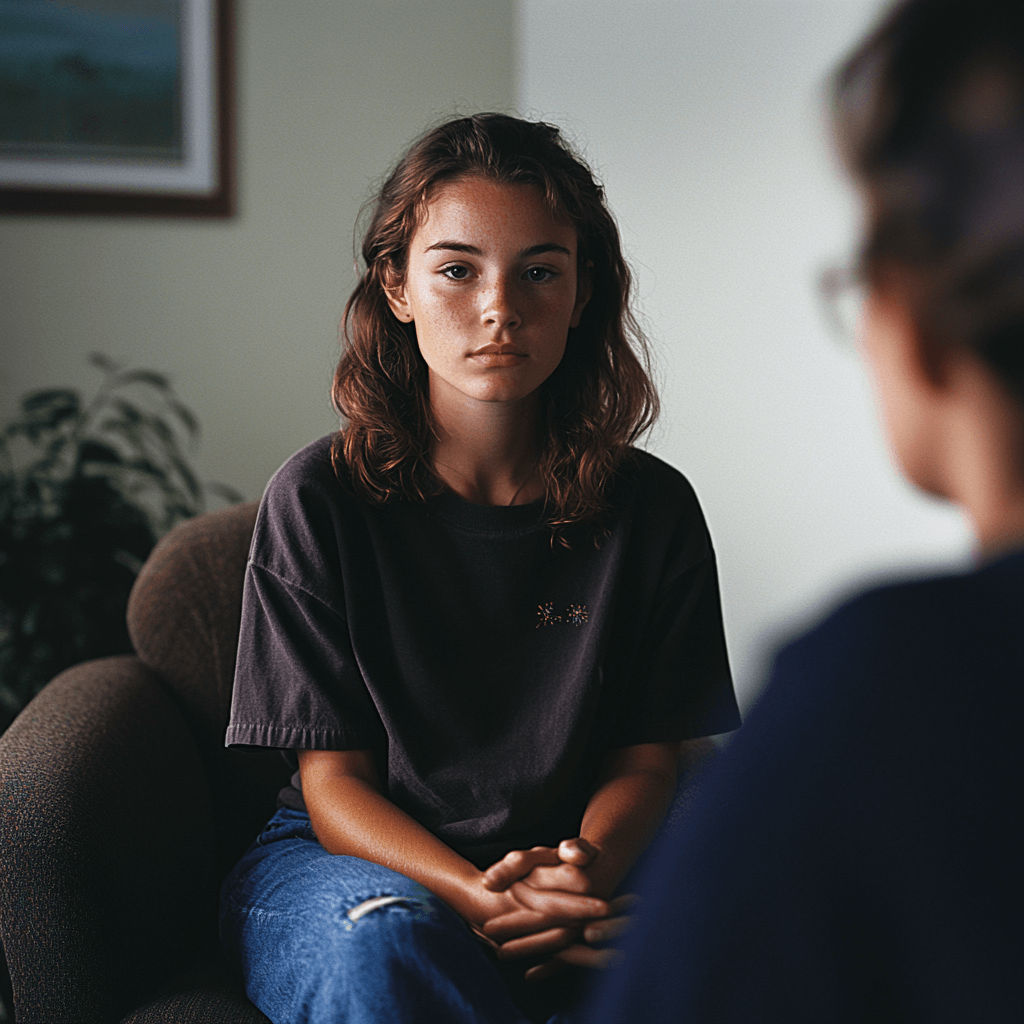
pixel 117 107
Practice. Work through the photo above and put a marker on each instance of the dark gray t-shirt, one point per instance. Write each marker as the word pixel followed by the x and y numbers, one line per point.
pixel 488 670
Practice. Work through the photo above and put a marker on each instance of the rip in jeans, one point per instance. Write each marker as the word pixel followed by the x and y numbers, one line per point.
pixel 366 906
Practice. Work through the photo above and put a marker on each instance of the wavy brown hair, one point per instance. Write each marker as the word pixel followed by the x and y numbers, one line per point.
pixel 595 405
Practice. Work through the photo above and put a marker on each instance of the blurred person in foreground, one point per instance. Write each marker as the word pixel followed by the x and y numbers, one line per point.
pixel 856 853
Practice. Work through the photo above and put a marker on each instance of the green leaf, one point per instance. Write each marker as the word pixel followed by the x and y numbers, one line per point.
pixel 146 468
pixel 129 412
pixel 105 363
pixel 46 410
pixel 57 398
pixel 149 377
pixel 162 431
pixel 95 451
pixel 184 413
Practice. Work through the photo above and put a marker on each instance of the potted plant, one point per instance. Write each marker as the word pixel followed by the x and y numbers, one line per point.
pixel 86 489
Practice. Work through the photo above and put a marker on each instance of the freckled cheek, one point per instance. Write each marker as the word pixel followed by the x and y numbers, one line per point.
pixel 446 313
pixel 442 331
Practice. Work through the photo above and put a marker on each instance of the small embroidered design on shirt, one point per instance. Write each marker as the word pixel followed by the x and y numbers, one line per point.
pixel 576 614
pixel 547 615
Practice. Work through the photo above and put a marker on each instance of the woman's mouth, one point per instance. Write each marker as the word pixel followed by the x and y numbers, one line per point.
pixel 498 355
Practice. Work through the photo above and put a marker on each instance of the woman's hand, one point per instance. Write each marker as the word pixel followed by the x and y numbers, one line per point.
pixel 545 867
pixel 553 899
pixel 583 954
pixel 351 816
pixel 533 877
pixel 633 792
pixel 536 903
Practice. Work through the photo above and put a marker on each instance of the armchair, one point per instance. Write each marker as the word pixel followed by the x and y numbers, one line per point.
pixel 121 810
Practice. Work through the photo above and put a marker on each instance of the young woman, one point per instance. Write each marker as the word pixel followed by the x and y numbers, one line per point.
pixel 483 624
pixel 857 853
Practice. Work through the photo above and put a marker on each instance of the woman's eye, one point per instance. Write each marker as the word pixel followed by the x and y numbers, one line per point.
pixel 537 274
pixel 457 272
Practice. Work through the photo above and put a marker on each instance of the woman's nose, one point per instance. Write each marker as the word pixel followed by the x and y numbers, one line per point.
pixel 500 308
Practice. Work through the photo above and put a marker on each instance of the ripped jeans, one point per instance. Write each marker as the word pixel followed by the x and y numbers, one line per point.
pixel 326 939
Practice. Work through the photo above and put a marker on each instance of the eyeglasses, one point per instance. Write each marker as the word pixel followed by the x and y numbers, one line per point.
pixel 842 291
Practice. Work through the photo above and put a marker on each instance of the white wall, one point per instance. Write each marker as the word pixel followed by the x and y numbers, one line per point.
pixel 243 314
pixel 705 120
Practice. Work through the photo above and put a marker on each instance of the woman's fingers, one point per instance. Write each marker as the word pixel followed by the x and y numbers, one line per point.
pixel 483 936
pixel 545 970
pixel 622 903
pixel 538 944
pixel 605 930
pixel 580 955
pixel 512 925
pixel 550 909
pixel 565 877
pixel 577 851
pixel 555 903
pixel 576 955
pixel 516 865
pixel 583 954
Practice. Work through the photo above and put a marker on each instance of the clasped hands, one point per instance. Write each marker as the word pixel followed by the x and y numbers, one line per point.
pixel 553 908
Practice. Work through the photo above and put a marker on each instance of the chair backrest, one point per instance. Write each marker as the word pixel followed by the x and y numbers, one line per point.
pixel 183 618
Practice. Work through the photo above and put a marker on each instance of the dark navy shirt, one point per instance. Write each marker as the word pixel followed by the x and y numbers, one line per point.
pixel 856 854
pixel 487 669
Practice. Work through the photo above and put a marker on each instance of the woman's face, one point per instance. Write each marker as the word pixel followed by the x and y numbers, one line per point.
pixel 906 400
pixel 491 285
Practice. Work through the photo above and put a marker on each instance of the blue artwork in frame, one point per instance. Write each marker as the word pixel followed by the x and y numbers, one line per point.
pixel 94 78
pixel 115 106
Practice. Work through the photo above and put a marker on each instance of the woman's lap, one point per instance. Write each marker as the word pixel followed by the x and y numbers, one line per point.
pixel 326 938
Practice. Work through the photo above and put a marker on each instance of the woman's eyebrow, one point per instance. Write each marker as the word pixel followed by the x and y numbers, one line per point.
pixel 537 250
pixel 450 245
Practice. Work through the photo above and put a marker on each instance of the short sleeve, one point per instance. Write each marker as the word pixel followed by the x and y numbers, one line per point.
pixel 680 686
pixel 297 685
pixel 671 669
pixel 297 681
pixel 683 657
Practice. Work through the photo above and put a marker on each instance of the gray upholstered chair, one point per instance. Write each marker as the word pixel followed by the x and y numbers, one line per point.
pixel 120 809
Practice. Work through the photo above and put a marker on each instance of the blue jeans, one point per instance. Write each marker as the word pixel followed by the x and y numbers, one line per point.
pixel 326 939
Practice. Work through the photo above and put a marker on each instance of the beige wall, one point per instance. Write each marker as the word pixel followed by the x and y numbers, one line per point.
pixel 243 313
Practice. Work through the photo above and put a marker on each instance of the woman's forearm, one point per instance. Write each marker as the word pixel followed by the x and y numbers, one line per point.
pixel 627 808
pixel 351 816
pixel 621 819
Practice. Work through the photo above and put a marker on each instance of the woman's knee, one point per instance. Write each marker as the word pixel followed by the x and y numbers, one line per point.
pixel 343 911
pixel 357 961
pixel 392 932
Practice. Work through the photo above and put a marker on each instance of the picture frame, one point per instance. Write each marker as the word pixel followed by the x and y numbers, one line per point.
pixel 123 107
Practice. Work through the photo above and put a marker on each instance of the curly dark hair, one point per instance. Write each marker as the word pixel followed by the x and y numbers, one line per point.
pixel 929 117
pixel 595 405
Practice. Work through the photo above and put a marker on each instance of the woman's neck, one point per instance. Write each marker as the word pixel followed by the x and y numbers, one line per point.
pixel 984 452
pixel 488 452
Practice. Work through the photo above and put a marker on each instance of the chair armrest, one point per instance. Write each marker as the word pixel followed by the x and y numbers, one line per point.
pixel 106 837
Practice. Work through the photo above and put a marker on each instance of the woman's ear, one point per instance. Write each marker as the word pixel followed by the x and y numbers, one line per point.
pixel 583 292
pixel 925 360
pixel 398 302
